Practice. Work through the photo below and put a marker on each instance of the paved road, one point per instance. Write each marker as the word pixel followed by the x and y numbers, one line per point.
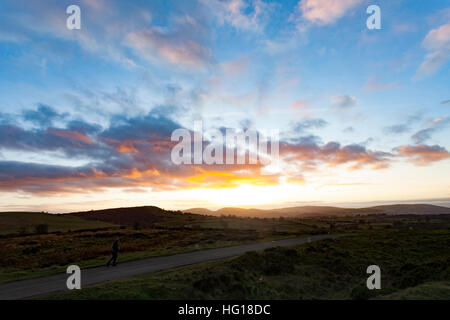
pixel 39 286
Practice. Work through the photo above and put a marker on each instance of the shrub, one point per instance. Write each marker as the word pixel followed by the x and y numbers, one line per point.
pixel 41 228
pixel 23 230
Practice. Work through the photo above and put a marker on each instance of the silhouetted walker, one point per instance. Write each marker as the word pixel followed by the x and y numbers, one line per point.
pixel 115 252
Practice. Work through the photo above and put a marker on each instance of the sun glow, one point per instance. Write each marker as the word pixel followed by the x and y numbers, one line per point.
pixel 244 195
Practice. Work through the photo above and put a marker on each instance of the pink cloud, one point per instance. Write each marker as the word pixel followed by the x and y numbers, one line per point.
pixel 422 154
pixel 373 85
pixel 235 67
pixel 437 43
pixel 175 48
pixel 322 12
pixel 299 104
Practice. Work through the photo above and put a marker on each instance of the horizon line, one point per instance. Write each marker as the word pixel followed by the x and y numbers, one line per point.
pixel 443 202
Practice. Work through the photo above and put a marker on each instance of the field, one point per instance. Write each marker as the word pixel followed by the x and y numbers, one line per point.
pixel 411 249
pixel 25 255
pixel 30 222
pixel 414 264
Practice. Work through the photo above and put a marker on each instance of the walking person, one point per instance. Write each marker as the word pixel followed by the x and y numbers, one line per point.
pixel 115 252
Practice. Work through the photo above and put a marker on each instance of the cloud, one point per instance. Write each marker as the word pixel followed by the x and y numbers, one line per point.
pixel 235 67
pixel 131 152
pixel 437 43
pixel 108 31
pixel 299 104
pixel 403 127
pixel 446 102
pixel 301 126
pixel 323 12
pixel 43 116
pixel 309 154
pixel 344 102
pixel 426 134
pixel 48 19
pixel 397 128
pixel 35 178
pixel 349 130
pixel 422 135
pixel 175 47
pixel 134 152
pixel 240 14
pixel 422 155
pixel 72 143
pixel 373 85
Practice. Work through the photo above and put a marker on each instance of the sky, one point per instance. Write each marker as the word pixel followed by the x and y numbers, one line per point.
pixel 87 115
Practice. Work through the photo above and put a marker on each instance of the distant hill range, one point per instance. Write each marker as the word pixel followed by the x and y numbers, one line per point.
pixel 314 211
pixel 150 216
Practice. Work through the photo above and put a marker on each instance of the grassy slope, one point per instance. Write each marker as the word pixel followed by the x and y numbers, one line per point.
pixel 426 291
pixel 15 222
pixel 149 216
pixel 328 269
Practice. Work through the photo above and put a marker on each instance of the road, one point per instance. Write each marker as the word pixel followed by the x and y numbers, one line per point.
pixel 39 286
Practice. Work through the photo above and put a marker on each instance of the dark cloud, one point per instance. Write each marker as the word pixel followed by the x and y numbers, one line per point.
pixel 246 124
pixel 308 152
pixel 425 134
pixel 43 116
pixel 397 128
pixel 309 140
pixel 446 102
pixel 71 143
pixel 134 152
pixel 5 118
pixel 307 124
pixel 405 126
pixel 349 130
pixel 81 126
pixel 131 152
pixel 422 135
pixel 345 101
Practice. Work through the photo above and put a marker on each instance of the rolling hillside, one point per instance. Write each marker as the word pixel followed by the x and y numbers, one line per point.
pixel 315 211
pixel 27 222
pixel 154 217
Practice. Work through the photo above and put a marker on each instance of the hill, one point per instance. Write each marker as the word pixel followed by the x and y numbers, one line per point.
pixel 27 222
pixel 154 217
pixel 412 209
pixel 303 211
pixel 146 216
pixel 316 211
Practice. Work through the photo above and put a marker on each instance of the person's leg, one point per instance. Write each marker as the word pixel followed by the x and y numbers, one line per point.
pixel 110 260
pixel 114 258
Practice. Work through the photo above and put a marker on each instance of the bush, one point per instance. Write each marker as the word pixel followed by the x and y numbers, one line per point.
pixel 360 292
pixel 23 230
pixel 41 228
